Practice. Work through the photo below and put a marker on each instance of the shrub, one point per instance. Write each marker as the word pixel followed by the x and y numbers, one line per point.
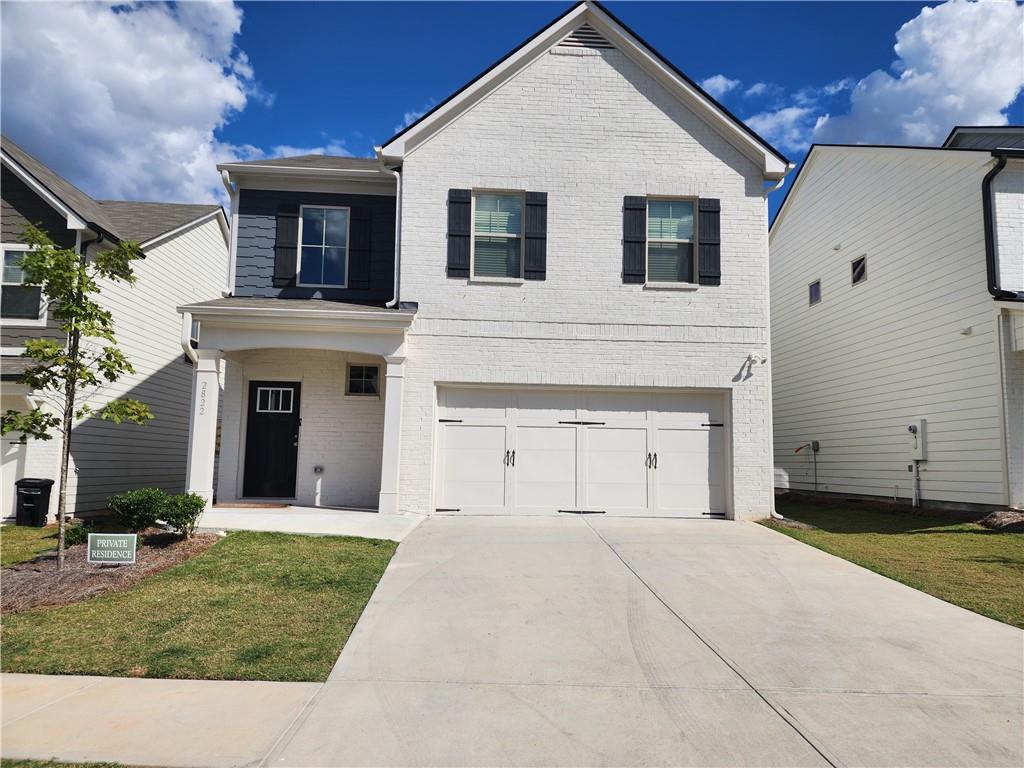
pixel 76 534
pixel 139 509
pixel 182 512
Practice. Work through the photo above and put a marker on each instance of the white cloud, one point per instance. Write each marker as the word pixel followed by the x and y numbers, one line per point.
pixel 719 85
pixel 961 63
pixel 757 89
pixel 788 128
pixel 413 115
pixel 126 100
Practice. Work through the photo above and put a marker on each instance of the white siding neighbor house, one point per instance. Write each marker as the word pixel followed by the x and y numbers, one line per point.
pixel 186 259
pixel 547 296
pixel 897 280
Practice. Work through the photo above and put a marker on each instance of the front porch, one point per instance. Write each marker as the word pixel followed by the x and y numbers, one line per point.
pixel 308 397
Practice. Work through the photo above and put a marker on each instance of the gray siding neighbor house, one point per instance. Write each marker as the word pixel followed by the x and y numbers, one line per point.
pixel 186 259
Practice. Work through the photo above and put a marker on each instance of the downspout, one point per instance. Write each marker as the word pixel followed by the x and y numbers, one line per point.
pixel 397 173
pixel 990 235
pixel 232 189
pixel 186 337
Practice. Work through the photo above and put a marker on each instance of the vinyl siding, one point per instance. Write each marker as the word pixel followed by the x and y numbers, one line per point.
pixel 257 229
pixel 109 458
pixel 20 206
pixel 916 340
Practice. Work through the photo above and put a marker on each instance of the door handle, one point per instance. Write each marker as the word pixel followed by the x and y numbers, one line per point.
pixel 505 460
pixel 513 458
pixel 647 463
pixel 655 464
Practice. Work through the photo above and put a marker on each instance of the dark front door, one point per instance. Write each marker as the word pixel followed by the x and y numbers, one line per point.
pixel 272 439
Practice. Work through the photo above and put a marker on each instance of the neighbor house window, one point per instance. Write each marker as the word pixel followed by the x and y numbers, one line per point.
pixel 859 270
pixel 498 235
pixel 323 246
pixel 363 380
pixel 670 238
pixel 814 293
pixel 18 301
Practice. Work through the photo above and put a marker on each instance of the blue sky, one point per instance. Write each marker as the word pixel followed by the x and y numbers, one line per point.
pixel 182 86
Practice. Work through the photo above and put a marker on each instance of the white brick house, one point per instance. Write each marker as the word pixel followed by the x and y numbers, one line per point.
pixel 580 322
pixel 897 284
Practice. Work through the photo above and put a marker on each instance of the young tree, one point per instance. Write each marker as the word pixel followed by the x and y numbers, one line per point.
pixel 70 283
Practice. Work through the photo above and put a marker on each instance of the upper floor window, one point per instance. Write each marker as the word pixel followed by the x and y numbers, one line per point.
pixel 497 235
pixel 670 238
pixel 323 246
pixel 859 270
pixel 18 301
pixel 814 293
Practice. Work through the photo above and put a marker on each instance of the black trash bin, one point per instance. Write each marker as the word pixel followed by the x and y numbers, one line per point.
pixel 33 500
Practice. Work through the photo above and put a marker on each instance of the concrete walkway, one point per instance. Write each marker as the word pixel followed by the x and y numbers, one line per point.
pixel 585 642
pixel 315 521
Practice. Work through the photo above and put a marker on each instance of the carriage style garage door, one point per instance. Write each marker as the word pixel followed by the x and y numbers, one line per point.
pixel 548 451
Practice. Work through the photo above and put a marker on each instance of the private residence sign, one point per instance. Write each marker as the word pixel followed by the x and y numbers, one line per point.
pixel 118 548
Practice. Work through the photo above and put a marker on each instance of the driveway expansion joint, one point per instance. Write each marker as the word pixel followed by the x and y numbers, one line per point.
pixel 780 710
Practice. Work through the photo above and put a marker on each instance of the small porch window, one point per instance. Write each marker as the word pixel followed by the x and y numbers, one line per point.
pixel 18 301
pixel 363 380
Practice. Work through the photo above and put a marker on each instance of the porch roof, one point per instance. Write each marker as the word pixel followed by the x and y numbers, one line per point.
pixel 240 306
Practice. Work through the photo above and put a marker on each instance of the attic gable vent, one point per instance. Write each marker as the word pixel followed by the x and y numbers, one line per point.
pixel 585 36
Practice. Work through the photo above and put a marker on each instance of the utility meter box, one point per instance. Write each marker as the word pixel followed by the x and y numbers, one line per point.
pixel 917 439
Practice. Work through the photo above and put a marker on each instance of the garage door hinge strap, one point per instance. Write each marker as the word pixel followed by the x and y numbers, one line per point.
pixel 447 509
pixel 582 511
pixel 583 423
pixel 450 421
pixel 712 425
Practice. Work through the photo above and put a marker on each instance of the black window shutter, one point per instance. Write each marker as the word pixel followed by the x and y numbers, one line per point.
pixel 634 239
pixel 359 227
pixel 286 245
pixel 459 226
pixel 709 263
pixel 535 235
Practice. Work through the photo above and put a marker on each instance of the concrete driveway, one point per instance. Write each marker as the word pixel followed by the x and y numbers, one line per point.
pixel 588 641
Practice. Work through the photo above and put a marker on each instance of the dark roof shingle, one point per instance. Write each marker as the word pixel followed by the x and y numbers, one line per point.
pixel 332 162
pixel 144 221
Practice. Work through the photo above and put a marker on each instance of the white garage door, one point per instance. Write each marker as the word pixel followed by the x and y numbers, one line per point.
pixel 544 451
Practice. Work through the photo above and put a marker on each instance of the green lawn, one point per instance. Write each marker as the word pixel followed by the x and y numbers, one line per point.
pixel 962 563
pixel 21 542
pixel 257 606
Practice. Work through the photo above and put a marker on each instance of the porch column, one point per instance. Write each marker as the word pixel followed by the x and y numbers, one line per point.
pixel 202 427
pixel 395 381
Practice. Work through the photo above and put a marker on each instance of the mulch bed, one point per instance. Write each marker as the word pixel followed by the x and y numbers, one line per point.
pixel 38 583
pixel 1009 520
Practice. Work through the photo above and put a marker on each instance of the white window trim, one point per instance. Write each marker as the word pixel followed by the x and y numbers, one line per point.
pixel 475 278
pixel 21 322
pixel 364 395
pixel 865 278
pixel 348 244
pixel 291 399
pixel 672 285
pixel 821 295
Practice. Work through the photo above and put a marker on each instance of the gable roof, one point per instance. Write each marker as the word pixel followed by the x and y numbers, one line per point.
pixel 143 222
pixel 336 162
pixel 83 206
pixel 594 18
pixel 116 219
pixel 985 137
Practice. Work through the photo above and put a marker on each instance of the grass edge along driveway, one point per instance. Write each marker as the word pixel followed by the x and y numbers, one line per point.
pixel 256 606
pixel 962 563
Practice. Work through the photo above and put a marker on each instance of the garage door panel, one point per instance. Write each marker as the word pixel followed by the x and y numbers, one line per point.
pixel 544 473
pixel 545 408
pixel 615 469
pixel 687 477
pixel 473 467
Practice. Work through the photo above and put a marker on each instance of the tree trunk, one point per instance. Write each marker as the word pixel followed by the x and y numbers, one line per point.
pixel 67 422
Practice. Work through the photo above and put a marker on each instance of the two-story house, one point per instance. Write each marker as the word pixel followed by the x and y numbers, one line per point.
pixel 548 295
pixel 185 251
pixel 897 280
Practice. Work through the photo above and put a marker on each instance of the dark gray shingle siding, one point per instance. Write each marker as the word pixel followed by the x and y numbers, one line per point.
pixel 22 206
pixel 257 226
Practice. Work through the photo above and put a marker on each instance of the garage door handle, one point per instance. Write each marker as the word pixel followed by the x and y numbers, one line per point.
pixel 655 464
pixel 513 458
pixel 505 461
pixel 648 462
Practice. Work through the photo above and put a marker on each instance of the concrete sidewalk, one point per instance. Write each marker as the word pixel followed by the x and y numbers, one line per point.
pixel 314 521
